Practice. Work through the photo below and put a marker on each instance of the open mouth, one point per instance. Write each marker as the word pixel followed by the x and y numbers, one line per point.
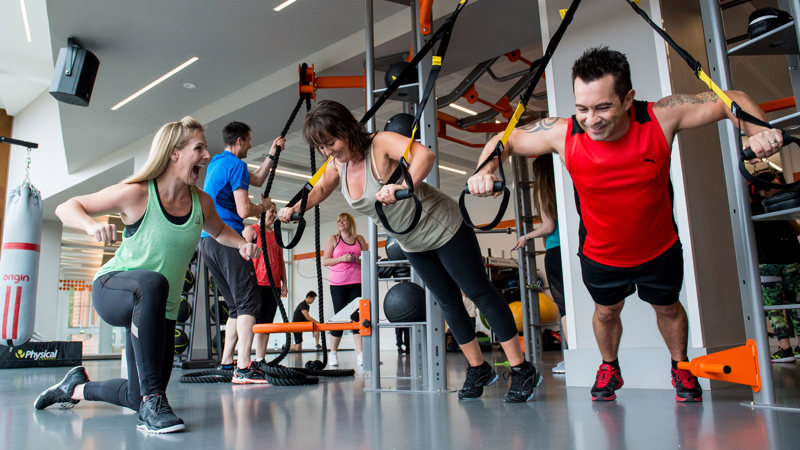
pixel 196 170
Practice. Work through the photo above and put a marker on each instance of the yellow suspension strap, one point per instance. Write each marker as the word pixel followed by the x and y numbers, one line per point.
pixel 401 172
pixel 442 35
pixel 500 185
pixel 745 154
pixel 301 197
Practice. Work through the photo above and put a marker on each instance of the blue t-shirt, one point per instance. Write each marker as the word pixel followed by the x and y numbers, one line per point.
pixel 225 174
pixel 553 239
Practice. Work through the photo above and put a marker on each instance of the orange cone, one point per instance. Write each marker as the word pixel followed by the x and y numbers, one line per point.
pixel 736 365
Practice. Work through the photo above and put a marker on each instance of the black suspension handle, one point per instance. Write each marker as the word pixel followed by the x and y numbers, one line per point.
pixel 747 154
pixel 503 205
pixel 498 186
pixel 298 233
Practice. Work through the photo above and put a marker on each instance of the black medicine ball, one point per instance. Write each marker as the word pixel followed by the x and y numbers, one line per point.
pixel 181 341
pixel 405 302
pixel 766 19
pixel 188 281
pixel 393 250
pixel 184 310
pixel 401 124
pixel 394 72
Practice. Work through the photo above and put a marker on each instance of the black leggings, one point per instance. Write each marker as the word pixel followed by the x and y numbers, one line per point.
pixel 342 295
pixel 136 300
pixel 458 266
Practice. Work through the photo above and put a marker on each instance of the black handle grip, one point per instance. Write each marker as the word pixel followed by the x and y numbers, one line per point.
pixel 498 187
pixel 748 154
pixel 296 217
pixel 402 194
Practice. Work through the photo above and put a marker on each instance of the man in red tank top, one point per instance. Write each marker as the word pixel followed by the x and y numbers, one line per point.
pixel 617 152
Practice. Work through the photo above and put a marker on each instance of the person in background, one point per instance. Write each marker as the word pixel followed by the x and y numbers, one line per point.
pixel 227 182
pixel 545 191
pixel 301 314
pixel 342 256
pixel 270 296
pixel 779 265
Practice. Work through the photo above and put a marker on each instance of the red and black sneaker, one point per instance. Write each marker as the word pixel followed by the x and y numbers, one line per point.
pixel 687 389
pixel 609 379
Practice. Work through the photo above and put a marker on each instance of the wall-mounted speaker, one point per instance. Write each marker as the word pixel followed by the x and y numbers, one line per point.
pixel 75 72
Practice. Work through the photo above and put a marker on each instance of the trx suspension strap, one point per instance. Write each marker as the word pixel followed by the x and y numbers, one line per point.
pixel 512 123
pixel 746 154
pixel 442 34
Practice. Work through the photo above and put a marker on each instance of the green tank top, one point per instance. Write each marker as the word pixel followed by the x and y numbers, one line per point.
pixel 161 246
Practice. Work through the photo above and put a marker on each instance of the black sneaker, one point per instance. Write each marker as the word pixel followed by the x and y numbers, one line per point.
pixel 687 389
pixel 62 392
pixel 524 378
pixel 252 375
pixel 477 378
pixel 783 355
pixel 156 416
pixel 608 380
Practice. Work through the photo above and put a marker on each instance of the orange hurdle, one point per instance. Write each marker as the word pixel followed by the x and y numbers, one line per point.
pixel 736 365
pixel 364 326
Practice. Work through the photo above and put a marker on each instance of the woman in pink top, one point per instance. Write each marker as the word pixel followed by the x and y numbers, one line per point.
pixel 343 257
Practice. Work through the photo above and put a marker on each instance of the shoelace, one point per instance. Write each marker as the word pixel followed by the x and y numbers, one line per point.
pixel 162 405
pixel 473 373
pixel 685 378
pixel 604 377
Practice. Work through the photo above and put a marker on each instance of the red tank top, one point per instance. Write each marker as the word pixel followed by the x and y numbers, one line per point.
pixel 623 191
pixel 274 259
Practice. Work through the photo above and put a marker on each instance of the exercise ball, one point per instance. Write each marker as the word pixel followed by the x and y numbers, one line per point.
pixel 405 302
pixel 516 311
pixel 401 124
pixel 181 341
pixel 188 281
pixel 393 250
pixel 395 70
pixel 548 310
pixel 223 312
pixel 184 310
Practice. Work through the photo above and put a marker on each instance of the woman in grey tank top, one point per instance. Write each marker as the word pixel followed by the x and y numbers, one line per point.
pixel 441 248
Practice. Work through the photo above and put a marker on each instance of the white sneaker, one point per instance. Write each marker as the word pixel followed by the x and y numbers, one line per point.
pixel 359 360
pixel 559 368
pixel 332 359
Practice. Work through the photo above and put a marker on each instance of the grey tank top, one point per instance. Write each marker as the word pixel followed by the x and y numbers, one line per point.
pixel 438 223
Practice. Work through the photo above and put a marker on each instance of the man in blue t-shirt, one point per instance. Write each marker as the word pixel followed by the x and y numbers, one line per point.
pixel 227 182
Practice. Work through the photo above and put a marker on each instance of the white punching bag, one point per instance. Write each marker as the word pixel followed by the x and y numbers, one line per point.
pixel 19 264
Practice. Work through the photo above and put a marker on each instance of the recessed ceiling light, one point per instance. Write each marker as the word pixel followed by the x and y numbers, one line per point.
pixel 189 85
pixel 283 5
pixel 462 109
pixel 155 83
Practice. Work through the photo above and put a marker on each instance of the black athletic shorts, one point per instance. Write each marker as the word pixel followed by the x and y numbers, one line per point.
pixel 234 276
pixel 658 281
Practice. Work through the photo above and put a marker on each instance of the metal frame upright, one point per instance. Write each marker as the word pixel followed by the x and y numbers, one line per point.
pixel 435 377
pixel 738 200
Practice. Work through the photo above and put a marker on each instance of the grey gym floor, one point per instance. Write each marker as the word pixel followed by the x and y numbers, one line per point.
pixel 340 414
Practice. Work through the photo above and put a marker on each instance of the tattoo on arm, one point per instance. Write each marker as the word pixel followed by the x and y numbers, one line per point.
pixel 683 99
pixel 541 125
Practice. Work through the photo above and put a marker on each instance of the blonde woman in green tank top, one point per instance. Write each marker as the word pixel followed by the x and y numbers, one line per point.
pixel 442 249
pixel 163 212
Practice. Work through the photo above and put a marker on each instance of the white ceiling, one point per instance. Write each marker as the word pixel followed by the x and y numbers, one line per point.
pixel 247 68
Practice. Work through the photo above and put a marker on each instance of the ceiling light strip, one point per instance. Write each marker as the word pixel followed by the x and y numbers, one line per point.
pixel 462 109
pixel 283 5
pixel 450 169
pixel 155 83
pixel 25 19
